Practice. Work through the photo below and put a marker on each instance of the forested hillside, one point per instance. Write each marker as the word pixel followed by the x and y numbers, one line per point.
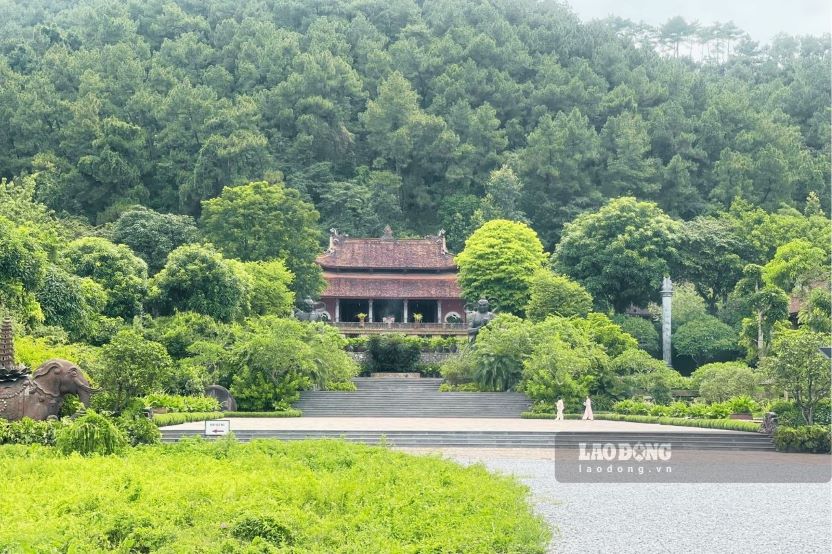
pixel 400 111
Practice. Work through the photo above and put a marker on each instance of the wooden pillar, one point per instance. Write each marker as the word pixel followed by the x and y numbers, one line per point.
pixel 404 310
pixel 337 310
pixel 438 311
pixel 370 310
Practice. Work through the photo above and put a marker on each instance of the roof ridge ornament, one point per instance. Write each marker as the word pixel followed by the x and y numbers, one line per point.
pixel 388 233
pixel 335 239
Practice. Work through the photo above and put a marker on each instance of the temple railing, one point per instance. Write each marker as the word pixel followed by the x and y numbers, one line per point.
pixel 357 328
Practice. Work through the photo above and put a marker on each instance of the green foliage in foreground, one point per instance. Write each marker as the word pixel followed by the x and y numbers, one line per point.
pixel 808 438
pixel 725 424
pixel 310 496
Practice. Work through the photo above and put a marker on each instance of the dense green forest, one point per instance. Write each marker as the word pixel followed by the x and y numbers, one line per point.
pixel 423 114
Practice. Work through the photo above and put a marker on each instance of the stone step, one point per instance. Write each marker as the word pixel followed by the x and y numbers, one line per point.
pixel 506 439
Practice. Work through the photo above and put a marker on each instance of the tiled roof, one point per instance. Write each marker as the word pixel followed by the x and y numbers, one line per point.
pixel 391 285
pixel 428 253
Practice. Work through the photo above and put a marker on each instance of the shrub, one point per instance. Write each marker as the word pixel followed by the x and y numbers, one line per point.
pixel 706 339
pixel 790 415
pixel 742 405
pixel 91 433
pixel 392 353
pixel 726 424
pixel 28 431
pixel 175 403
pixel 808 438
pixel 631 407
pixel 718 382
pixel 458 369
pixel 633 361
pixel 252 527
pixel 139 429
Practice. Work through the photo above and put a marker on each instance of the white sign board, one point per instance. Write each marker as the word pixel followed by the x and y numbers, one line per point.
pixel 217 427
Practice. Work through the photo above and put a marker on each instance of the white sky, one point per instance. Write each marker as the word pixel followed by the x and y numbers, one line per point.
pixel 762 19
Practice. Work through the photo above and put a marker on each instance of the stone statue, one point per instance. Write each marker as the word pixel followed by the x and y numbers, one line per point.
pixel 478 319
pixel 311 311
pixel 227 402
pixel 769 423
pixel 41 394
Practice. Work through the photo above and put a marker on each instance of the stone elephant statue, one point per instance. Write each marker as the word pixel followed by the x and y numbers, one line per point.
pixel 41 394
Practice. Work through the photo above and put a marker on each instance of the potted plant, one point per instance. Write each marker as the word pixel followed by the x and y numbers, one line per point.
pixel 361 317
pixel 417 318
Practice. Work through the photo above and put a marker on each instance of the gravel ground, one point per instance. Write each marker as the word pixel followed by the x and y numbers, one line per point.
pixel 645 517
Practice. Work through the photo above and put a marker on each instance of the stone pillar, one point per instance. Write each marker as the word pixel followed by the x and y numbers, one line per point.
pixel 404 310
pixel 667 301
pixel 438 311
pixel 370 310
pixel 337 310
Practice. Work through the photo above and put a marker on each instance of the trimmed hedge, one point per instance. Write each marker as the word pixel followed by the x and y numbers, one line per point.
pixel 726 424
pixel 281 413
pixel 815 439
pixel 163 420
pixel 177 403
pixel 542 415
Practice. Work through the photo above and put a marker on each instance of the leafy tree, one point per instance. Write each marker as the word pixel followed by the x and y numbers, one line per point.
pixel 151 235
pixel 797 366
pixel 268 288
pixel 796 265
pixel 550 293
pixel 279 357
pixel 130 367
pixel 764 306
pixel 121 274
pixel 816 312
pixel 619 253
pixel 264 221
pixel 705 339
pixel 23 266
pixel 719 381
pixel 711 259
pixel 501 347
pixel 557 168
pixel 641 329
pixel 498 262
pixel 197 278
pixel 606 333
pixel 71 302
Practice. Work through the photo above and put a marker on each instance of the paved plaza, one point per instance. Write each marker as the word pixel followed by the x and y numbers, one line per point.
pixel 670 517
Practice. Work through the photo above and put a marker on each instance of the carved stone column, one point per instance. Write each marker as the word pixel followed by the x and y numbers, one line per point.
pixel 667 302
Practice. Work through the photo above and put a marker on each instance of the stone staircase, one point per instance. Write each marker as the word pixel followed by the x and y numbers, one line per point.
pixel 729 441
pixel 392 397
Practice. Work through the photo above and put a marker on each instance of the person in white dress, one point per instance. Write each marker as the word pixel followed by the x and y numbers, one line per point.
pixel 588 410
pixel 559 405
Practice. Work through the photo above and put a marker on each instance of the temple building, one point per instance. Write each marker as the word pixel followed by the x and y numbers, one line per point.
pixel 391 281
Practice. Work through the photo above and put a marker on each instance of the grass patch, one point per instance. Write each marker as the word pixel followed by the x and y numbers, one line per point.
pixel 727 424
pixel 323 496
